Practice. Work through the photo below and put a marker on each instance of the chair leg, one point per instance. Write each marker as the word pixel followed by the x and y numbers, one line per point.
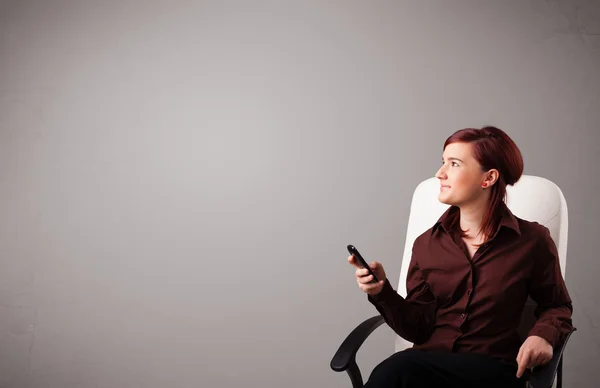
pixel 559 373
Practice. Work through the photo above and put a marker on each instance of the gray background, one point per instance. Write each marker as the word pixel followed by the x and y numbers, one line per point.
pixel 179 180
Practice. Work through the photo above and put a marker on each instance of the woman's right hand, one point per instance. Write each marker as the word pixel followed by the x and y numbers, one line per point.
pixel 363 278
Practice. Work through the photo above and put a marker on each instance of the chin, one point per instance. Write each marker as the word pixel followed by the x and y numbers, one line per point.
pixel 442 198
pixel 447 201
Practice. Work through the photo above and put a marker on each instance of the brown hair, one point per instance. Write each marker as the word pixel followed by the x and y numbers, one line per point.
pixel 493 149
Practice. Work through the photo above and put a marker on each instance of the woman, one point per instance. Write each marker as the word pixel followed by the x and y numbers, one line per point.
pixel 469 278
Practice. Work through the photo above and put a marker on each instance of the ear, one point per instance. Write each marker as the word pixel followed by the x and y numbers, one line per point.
pixel 490 178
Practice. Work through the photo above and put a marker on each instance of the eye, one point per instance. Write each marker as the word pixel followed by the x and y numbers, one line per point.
pixel 454 164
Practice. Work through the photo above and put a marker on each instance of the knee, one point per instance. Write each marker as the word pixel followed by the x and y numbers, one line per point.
pixel 395 371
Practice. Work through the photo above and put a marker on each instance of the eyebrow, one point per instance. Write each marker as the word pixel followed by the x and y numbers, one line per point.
pixel 451 158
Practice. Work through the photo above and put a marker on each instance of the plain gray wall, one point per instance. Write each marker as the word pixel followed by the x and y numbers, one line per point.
pixel 179 180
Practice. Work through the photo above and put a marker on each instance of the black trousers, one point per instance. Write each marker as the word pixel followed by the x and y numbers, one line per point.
pixel 413 368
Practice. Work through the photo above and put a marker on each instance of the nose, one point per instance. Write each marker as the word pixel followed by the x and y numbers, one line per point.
pixel 441 173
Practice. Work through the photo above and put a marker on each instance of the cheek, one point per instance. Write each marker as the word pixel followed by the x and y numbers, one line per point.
pixel 463 184
pixel 460 180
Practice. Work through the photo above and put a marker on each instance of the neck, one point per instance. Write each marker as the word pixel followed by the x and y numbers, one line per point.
pixel 471 216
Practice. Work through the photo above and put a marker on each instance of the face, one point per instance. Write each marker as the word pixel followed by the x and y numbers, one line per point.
pixel 461 176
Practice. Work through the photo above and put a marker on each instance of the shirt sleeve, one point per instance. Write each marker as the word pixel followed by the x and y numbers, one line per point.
pixel 548 289
pixel 413 317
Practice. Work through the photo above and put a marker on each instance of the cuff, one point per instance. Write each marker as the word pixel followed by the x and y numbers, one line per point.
pixel 386 295
pixel 547 332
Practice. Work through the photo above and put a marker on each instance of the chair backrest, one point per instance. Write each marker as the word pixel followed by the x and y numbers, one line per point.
pixel 532 198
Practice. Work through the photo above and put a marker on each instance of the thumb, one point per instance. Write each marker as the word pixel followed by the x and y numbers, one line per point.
pixel 352 261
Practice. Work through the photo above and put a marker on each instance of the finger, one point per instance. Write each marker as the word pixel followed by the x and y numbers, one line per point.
pixel 532 362
pixel 525 358
pixel 360 272
pixel 536 360
pixel 370 286
pixel 365 279
pixel 542 359
pixel 520 355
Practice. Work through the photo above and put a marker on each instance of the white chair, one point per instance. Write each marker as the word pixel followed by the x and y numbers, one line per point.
pixel 531 198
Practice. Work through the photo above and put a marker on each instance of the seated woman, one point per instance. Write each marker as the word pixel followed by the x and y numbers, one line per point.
pixel 469 278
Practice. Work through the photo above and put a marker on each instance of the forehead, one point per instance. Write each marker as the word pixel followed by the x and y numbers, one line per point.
pixel 458 150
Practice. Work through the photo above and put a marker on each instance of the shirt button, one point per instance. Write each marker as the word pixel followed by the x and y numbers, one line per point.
pixel 468 292
pixel 462 315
